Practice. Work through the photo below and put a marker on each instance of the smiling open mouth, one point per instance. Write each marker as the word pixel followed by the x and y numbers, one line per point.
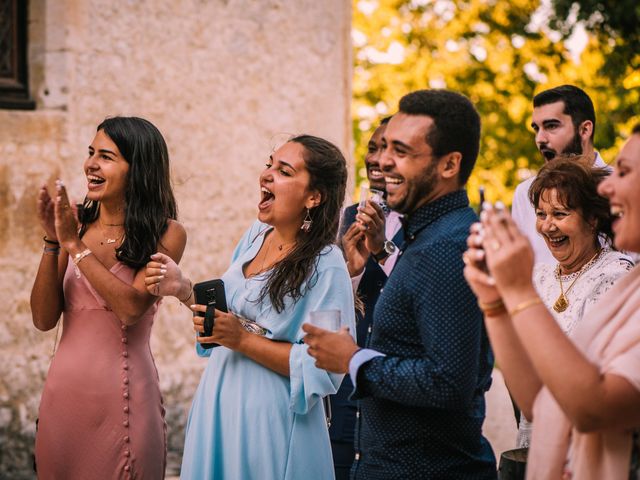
pixel 95 180
pixel 375 173
pixel 557 241
pixel 267 197
pixel 393 180
pixel 616 211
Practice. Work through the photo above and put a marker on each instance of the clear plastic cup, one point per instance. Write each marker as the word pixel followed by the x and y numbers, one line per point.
pixel 327 319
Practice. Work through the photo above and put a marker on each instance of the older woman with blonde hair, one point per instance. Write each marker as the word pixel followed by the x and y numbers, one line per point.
pixel 582 391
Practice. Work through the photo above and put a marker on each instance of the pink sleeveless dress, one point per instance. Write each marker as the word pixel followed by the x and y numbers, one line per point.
pixel 101 413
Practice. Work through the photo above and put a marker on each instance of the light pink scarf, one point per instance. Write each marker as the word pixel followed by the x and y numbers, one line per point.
pixel 609 336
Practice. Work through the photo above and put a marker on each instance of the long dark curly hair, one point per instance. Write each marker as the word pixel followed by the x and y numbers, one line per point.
pixel 149 200
pixel 328 175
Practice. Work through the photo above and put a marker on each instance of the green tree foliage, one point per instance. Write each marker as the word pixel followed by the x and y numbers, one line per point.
pixel 497 53
pixel 616 23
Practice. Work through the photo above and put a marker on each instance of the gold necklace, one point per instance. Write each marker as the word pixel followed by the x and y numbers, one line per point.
pixel 266 254
pixel 562 303
pixel 280 247
pixel 109 240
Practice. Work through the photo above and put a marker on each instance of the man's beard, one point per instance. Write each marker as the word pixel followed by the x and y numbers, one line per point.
pixel 574 147
pixel 419 190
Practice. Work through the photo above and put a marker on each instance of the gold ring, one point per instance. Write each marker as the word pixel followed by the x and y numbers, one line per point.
pixel 494 245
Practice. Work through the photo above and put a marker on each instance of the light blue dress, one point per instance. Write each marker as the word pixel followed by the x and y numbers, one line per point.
pixel 247 421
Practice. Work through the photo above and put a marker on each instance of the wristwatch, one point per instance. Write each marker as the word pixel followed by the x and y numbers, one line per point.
pixel 388 248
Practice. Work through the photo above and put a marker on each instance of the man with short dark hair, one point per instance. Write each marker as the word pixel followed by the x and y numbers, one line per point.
pixel 422 378
pixel 564 122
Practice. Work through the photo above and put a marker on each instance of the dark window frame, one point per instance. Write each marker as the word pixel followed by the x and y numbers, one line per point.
pixel 14 84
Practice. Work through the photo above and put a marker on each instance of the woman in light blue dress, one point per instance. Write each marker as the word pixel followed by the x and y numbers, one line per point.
pixel 257 413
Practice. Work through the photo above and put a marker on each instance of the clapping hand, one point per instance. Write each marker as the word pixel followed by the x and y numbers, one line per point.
pixel 65 217
pixel 371 220
pixel 355 251
pixel 45 212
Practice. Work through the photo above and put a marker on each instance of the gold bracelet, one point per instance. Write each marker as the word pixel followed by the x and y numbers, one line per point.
pixel 522 306
pixel 490 305
pixel 492 309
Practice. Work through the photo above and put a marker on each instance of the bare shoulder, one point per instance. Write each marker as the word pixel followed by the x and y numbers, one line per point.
pixel 174 227
pixel 173 240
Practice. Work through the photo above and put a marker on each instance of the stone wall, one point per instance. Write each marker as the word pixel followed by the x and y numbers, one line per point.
pixel 223 80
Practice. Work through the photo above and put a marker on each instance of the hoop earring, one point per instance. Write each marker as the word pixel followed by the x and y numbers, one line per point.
pixel 306 224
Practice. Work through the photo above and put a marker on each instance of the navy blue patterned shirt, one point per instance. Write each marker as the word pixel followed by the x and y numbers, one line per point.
pixel 422 404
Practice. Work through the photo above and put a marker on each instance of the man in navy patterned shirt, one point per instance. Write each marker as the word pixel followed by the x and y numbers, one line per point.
pixel 422 378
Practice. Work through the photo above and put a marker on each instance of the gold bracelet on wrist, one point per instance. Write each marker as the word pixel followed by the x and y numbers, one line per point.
pixel 522 306
pixel 492 309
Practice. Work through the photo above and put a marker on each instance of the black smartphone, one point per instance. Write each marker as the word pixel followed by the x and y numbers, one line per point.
pixel 210 293
pixel 481 195
pixel 483 263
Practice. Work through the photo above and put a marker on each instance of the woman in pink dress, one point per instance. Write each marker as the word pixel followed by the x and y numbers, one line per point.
pixel 101 413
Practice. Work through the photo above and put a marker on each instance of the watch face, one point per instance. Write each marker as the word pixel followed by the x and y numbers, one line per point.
pixel 389 247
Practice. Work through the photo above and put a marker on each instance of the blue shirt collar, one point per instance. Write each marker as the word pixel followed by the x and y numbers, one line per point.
pixel 415 222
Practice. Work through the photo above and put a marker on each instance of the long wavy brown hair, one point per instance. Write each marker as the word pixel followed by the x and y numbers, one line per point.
pixel 327 169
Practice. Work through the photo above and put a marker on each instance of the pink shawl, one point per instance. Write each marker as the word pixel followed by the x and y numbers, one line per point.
pixel 609 336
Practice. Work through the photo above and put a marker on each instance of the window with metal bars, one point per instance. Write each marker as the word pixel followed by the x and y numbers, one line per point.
pixel 14 82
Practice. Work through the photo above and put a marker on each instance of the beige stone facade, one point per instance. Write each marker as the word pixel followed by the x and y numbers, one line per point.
pixel 223 80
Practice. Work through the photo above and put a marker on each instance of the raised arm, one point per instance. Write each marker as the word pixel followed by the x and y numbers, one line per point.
pixel 128 302
pixel 511 357
pixel 47 300
pixel 591 398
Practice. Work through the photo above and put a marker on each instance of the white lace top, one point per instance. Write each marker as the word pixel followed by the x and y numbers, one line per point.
pixel 593 282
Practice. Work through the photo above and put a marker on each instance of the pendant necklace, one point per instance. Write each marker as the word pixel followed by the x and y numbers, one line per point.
pixel 109 240
pixel 562 303
pixel 280 247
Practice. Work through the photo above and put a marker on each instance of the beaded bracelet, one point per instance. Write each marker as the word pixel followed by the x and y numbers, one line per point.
pixel 55 251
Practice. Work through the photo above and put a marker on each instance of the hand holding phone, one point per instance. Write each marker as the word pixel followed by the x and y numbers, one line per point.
pixel 211 294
